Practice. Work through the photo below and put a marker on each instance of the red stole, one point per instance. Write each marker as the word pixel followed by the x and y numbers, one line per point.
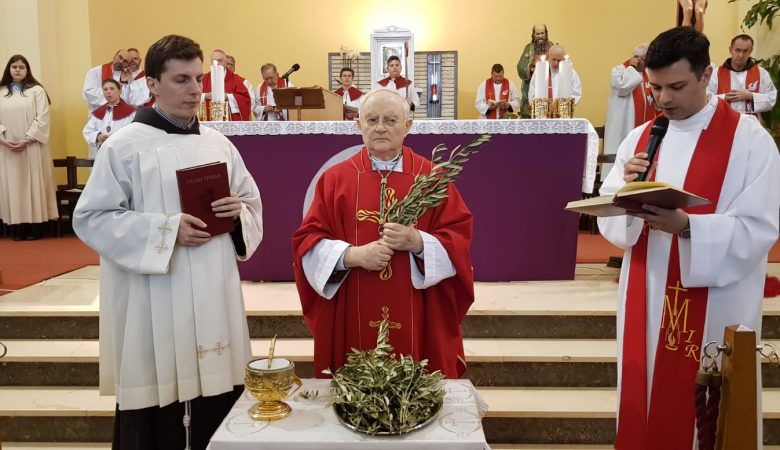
pixel 424 323
pixel 107 72
pixel 140 75
pixel 354 93
pixel 669 423
pixel 752 81
pixel 644 108
pixel 264 90
pixel 400 82
pixel 490 94
pixel 234 84
pixel 120 111
pixel 549 84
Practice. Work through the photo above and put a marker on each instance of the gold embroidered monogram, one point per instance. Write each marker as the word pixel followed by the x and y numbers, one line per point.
pixel 674 324
pixel 219 348
pixel 164 229
pixel 385 316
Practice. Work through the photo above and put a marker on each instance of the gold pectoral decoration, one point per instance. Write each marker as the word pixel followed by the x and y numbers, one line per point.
pixel 385 316
pixel 365 215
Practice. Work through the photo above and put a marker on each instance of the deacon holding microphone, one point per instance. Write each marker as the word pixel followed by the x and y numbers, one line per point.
pixel 687 273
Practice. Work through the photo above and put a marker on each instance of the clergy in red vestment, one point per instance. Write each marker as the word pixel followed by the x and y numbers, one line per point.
pixel 688 273
pixel 352 270
pixel 236 94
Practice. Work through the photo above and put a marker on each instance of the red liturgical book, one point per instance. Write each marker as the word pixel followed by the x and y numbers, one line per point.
pixel 198 187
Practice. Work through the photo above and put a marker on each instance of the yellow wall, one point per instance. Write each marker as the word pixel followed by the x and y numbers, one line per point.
pixel 79 34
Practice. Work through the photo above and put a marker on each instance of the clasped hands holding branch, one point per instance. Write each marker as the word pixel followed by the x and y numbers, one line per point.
pixel 191 229
pixel 671 221
pixel 376 255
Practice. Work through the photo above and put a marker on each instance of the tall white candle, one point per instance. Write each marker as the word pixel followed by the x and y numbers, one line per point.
pixel 565 76
pixel 217 82
pixel 541 71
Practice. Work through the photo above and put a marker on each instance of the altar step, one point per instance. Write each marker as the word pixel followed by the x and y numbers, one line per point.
pixel 541 353
pixel 491 362
pixel 527 415
pixel 66 307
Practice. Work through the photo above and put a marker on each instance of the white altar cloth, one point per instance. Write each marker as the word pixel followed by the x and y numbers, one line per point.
pixel 314 426
pixel 422 126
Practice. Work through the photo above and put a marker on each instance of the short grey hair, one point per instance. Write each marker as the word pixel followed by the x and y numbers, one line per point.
pixel 267 66
pixel 640 50
pixel 404 105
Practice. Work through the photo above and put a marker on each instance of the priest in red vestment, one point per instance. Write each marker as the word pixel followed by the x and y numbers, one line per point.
pixel 352 270
pixel 236 94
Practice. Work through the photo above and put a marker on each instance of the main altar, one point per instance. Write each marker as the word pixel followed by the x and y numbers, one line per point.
pixel 516 187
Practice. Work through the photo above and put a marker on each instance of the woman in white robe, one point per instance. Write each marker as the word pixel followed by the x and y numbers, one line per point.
pixel 27 191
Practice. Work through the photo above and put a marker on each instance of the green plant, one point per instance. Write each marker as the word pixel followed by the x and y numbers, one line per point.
pixel 377 392
pixel 764 11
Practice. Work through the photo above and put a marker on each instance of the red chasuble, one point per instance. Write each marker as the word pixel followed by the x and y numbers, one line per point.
pixel 644 107
pixel 234 84
pixel 668 423
pixel 423 323
pixel 490 94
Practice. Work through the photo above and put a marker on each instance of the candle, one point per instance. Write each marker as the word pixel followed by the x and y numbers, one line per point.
pixel 541 72
pixel 565 76
pixel 217 82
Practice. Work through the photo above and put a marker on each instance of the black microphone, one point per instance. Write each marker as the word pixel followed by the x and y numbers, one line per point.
pixel 294 68
pixel 657 134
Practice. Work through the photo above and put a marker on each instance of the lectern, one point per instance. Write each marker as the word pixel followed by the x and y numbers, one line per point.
pixel 309 103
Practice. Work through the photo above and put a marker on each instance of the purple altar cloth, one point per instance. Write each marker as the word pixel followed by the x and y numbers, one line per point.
pixel 516 187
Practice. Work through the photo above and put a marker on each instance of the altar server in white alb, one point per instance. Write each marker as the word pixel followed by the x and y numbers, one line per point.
pixel 630 102
pixel 135 93
pixel 398 83
pixel 688 273
pixel 741 82
pixel 109 118
pixel 572 88
pixel 173 334
pixel 497 95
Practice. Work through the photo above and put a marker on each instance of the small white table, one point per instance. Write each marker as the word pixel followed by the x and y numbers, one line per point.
pixel 312 425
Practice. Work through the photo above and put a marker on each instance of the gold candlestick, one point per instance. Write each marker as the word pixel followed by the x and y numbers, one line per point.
pixel 202 115
pixel 564 108
pixel 540 108
pixel 218 111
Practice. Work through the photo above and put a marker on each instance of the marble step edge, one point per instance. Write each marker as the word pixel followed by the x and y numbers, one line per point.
pixel 302 350
pixel 63 446
pixel 532 305
pixel 559 403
